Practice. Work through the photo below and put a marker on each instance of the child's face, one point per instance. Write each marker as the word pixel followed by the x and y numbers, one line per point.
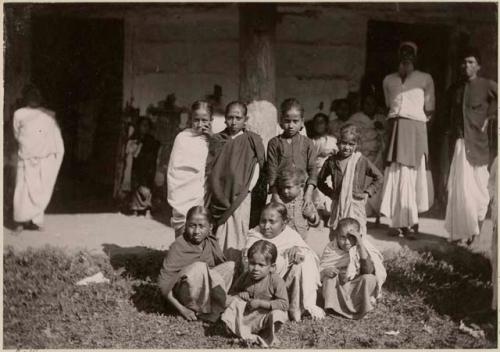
pixel 320 127
pixel 291 122
pixel 201 122
pixel 344 240
pixel 235 119
pixel 289 190
pixel 197 228
pixel 271 223
pixel 258 266
pixel 347 146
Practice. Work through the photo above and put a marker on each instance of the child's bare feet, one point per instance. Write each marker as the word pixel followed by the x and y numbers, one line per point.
pixel 148 214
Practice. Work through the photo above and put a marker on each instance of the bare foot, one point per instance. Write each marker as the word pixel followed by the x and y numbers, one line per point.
pixel 316 312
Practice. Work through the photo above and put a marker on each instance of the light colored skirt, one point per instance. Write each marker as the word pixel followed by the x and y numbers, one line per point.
pixel 232 235
pixel 357 210
pixel 468 196
pixel 302 287
pixel 405 193
pixel 353 299
pixel 258 325
pixel 35 181
pixel 201 281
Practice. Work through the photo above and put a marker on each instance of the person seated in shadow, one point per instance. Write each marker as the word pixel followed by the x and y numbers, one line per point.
pixel 195 276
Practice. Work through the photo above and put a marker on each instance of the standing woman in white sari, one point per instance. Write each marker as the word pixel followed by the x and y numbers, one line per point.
pixel 186 168
pixel 40 154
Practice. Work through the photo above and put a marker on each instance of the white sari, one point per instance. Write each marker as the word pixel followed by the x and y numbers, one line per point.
pixel 41 150
pixel 186 175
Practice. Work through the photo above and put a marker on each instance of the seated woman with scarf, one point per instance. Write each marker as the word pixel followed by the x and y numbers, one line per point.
pixel 296 263
pixel 352 272
pixel 195 276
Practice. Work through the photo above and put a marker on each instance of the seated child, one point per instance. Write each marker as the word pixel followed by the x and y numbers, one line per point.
pixel 291 149
pixel 352 272
pixel 195 276
pixel 296 263
pixel 326 145
pixel 354 179
pixel 260 301
pixel 291 183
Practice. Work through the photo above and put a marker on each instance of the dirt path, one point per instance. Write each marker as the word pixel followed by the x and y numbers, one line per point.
pixel 93 231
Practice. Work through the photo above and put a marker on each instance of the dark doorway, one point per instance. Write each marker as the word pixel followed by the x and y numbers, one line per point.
pixel 383 40
pixel 78 65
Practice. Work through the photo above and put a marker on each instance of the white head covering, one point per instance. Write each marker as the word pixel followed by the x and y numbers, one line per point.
pixel 410 44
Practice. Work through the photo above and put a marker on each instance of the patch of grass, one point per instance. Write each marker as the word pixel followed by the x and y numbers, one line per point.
pixel 44 309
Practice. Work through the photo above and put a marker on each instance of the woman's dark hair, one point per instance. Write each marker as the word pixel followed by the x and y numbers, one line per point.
pixel 291 103
pixel 266 248
pixel 203 105
pixel 350 130
pixel 236 103
pixel 280 208
pixel 31 92
pixel 199 209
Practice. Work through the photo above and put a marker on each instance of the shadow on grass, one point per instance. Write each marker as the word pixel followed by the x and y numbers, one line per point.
pixel 454 282
pixel 147 298
pixel 137 262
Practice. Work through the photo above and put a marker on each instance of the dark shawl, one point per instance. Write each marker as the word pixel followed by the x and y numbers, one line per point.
pixel 182 254
pixel 230 166
pixel 478 102
pixel 144 165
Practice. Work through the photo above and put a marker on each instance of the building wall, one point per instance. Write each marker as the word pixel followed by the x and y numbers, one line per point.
pixel 181 52
pixel 320 50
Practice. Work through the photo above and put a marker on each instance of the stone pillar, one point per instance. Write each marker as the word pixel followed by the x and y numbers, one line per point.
pixel 257 42
pixel 258 82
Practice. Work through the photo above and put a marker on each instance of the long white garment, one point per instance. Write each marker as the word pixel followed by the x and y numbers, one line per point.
pixel 186 175
pixel 492 188
pixel 468 196
pixel 308 269
pixel 405 193
pixel 41 151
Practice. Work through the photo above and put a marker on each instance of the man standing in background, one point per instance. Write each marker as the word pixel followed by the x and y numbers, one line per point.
pixel 472 103
pixel 409 95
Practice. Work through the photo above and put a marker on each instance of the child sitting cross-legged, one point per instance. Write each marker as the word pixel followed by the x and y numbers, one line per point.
pixel 352 272
pixel 259 302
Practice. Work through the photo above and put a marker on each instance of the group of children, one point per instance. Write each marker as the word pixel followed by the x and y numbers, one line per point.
pixel 210 182
pixel 279 278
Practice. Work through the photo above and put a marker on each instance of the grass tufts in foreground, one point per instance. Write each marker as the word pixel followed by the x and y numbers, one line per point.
pixel 424 299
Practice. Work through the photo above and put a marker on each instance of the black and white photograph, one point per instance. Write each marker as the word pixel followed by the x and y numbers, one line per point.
pixel 249 175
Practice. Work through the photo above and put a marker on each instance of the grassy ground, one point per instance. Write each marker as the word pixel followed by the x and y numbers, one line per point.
pixel 425 298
